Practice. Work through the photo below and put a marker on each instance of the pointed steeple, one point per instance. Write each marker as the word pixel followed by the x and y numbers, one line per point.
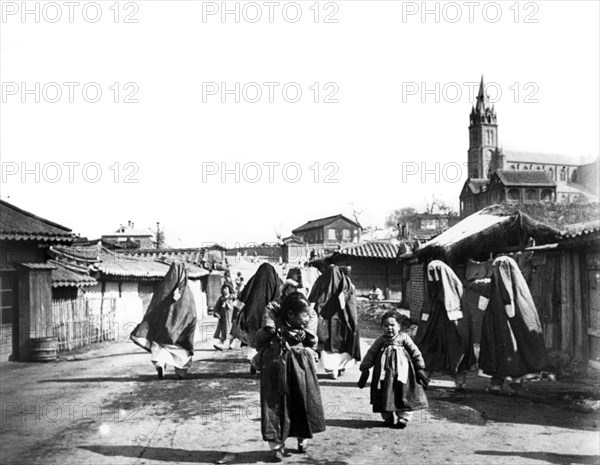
pixel 483 135
pixel 483 112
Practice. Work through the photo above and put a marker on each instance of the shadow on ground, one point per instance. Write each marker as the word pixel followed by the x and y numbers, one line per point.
pixel 549 457
pixel 165 454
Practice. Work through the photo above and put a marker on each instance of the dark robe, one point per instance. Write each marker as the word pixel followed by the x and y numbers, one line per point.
pixel 390 394
pixel 446 339
pixel 338 327
pixel 169 321
pixel 262 288
pixel 290 397
pixel 512 343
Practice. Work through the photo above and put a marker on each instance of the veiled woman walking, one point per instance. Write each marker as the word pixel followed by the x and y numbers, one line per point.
pixel 334 300
pixel 445 339
pixel 512 343
pixel 251 305
pixel 168 327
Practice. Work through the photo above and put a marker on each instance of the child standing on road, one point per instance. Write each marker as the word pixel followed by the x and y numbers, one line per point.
pixel 399 377
pixel 290 397
pixel 224 312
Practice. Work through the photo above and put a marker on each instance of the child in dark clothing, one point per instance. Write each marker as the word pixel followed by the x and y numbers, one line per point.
pixel 398 373
pixel 224 312
pixel 290 397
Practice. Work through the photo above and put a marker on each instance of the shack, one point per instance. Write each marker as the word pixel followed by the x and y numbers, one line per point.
pixel 372 263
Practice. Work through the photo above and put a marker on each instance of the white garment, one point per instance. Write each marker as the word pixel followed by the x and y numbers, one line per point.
pixel 334 361
pixel 249 352
pixel 169 354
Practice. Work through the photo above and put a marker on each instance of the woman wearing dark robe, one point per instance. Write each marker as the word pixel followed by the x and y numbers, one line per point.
pixel 334 301
pixel 446 339
pixel 290 397
pixel 168 327
pixel 251 304
pixel 512 343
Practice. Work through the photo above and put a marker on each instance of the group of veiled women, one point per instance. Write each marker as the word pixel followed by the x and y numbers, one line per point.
pixel 286 328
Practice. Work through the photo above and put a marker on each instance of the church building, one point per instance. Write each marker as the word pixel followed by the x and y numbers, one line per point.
pixel 497 176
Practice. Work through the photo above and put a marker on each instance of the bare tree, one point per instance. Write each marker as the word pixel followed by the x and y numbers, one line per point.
pixel 436 205
pixel 277 230
pixel 355 212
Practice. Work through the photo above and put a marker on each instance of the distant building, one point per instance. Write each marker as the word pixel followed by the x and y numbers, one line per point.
pixel 335 229
pixel 497 176
pixel 129 237
pixel 424 226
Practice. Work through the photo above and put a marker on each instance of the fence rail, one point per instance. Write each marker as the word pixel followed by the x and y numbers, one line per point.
pixel 79 322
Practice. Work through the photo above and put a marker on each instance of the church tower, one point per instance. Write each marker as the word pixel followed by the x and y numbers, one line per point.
pixel 483 135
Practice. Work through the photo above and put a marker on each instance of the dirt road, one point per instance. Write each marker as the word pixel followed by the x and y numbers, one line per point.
pixel 107 407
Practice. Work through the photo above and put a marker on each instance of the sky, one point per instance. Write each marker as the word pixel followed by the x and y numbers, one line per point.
pixel 231 121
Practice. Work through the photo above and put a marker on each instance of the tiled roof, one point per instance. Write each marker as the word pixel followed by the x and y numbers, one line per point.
pixel 17 225
pixel 77 252
pixel 374 249
pixel 580 230
pixel 65 276
pixel 546 158
pixel 525 178
pixel 38 266
pixel 127 266
pixel 194 255
pixel 312 224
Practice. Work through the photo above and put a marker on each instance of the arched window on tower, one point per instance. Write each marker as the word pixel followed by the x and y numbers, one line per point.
pixel 563 174
pixel 551 173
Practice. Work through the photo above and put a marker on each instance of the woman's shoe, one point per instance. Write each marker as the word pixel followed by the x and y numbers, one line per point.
pixel 160 371
pixel 401 424
pixel 333 374
pixel 302 445
pixel 389 422
pixel 252 370
pixel 277 455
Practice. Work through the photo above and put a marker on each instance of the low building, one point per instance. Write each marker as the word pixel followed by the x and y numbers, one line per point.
pixel 26 278
pixel 129 237
pixel 332 230
pixel 372 264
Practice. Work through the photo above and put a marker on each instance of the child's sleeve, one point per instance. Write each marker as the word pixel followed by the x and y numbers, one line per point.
pixel 263 337
pixel 414 353
pixel 371 356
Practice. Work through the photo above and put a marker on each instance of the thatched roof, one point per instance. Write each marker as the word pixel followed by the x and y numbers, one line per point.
pixel 492 230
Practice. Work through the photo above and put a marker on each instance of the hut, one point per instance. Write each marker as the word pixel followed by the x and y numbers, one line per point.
pixel 372 263
pixel 468 247
pixel 565 284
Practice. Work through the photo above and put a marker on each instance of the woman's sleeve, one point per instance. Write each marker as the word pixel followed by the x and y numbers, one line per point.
pixel 414 352
pixel 371 356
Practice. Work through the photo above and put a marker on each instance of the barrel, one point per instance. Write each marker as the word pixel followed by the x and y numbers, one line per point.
pixel 44 349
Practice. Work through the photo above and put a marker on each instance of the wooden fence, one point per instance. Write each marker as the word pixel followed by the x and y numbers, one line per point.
pixel 79 322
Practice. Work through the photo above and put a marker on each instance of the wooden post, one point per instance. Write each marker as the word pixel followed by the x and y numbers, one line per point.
pixel 578 334
pixel 566 314
pixel 35 305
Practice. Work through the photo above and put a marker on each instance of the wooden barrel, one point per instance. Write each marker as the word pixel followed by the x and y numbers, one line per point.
pixel 44 349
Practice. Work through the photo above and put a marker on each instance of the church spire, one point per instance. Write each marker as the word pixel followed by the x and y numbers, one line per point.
pixel 483 135
pixel 483 112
